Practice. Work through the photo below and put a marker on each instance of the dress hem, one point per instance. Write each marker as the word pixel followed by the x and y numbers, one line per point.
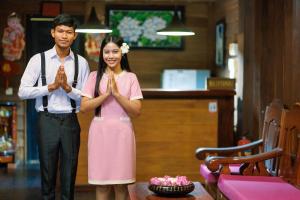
pixel 111 182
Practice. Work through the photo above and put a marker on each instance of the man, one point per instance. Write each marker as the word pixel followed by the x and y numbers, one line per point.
pixel 60 75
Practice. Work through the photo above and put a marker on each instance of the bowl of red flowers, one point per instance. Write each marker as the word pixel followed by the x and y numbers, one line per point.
pixel 171 186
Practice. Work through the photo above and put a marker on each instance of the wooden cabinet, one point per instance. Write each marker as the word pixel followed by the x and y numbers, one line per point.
pixel 8 132
pixel 173 124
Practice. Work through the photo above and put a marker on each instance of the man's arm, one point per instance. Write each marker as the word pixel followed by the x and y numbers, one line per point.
pixel 27 90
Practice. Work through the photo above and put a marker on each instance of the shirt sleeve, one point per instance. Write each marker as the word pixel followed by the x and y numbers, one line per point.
pixel 135 90
pixel 27 89
pixel 89 86
pixel 76 92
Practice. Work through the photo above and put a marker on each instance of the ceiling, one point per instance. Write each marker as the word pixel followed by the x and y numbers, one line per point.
pixel 147 1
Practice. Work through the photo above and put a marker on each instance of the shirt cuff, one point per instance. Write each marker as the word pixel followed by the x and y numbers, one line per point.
pixel 136 98
pixel 74 94
pixel 86 95
pixel 44 90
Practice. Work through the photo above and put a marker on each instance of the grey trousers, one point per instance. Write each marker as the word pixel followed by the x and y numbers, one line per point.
pixel 58 142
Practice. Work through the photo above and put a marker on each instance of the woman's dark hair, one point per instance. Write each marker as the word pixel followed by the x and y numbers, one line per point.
pixel 102 65
pixel 64 19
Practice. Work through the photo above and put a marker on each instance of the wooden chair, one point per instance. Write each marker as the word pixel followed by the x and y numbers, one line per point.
pixel 232 160
pixel 289 141
pixel 284 186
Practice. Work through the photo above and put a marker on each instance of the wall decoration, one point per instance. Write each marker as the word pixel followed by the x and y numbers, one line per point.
pixel 8 70
pixel 138 25
pixel 13 41
pixel 220 43
pixel 51 8
pixel 92 45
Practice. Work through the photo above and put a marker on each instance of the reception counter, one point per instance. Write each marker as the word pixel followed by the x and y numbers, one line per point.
pixel 172 125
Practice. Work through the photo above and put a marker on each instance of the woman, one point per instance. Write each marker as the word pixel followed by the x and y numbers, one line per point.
pixel 113 92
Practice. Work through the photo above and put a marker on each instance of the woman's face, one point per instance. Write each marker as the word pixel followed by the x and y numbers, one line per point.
pixel 112 56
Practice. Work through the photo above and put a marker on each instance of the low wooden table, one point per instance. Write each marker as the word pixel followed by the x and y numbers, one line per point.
pixel 140 191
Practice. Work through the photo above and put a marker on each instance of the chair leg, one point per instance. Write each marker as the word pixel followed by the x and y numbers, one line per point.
pixel 211 188
pixel 220 195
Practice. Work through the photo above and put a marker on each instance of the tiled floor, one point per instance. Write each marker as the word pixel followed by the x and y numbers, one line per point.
pixel 24 184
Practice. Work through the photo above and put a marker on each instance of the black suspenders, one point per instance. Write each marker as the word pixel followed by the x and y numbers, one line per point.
pixel 44 82
pixel 73 103
pixel 43 77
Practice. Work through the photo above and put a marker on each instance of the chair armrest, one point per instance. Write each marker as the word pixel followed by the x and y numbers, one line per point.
pixel 215 163
pixel 202 153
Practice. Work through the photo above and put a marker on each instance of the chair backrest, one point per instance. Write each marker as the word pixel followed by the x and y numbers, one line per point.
pixel 270 132
pixel 289 141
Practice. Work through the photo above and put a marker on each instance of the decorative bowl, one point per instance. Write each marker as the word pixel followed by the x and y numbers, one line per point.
pixel 175 190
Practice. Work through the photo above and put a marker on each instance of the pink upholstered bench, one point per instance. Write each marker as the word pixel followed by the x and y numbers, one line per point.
pixel 257 187
pixel 211 177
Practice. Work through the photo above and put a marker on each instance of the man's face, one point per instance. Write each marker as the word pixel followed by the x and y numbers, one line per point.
pixel 63 36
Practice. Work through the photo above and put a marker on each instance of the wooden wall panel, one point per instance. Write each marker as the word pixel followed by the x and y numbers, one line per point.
pixel 272 49
pixel 291 69
pixel 272 58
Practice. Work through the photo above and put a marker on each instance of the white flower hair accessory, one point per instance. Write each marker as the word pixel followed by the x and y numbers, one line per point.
pixel 124 48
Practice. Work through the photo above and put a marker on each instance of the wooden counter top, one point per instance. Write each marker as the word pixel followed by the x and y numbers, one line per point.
pixel 202 94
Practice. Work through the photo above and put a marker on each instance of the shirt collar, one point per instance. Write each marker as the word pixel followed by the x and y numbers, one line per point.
pixel 118 75
pixel 53 53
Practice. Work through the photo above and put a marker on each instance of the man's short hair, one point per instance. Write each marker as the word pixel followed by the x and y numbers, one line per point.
pixel 64 19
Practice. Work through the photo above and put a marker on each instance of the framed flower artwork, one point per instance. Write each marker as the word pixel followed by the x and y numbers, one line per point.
pixel 220 43
pixel 138 25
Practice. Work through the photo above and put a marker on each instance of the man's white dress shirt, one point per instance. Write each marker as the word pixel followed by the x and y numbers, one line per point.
pixel 58 100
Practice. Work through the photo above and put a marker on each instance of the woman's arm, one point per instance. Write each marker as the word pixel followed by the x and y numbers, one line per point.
pixel 132 107
pixel 89 104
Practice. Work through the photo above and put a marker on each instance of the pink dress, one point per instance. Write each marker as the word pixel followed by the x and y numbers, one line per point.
pixel 111 140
